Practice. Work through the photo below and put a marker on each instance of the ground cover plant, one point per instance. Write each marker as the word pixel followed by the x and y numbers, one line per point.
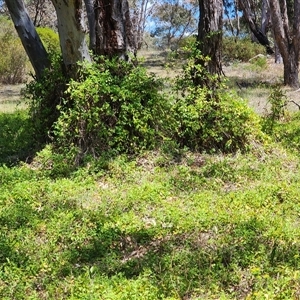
pixel 166 223
pixel 16 141
pixel 152 227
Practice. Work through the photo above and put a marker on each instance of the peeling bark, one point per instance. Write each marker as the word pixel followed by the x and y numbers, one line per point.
pixel 114 35
pixel 71 29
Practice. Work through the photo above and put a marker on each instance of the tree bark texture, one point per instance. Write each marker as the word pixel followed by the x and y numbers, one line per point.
pixel 28 35
pixel 265 26
pixel 138 19
pixel 265 16
pixel 210 33
pixel 114 34
pixel 287 39
pixel 71 29
pixel 89 5
pixel 255 29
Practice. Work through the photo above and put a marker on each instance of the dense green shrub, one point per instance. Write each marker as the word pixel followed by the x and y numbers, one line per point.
pixel 223 124
pixel 13 58
pixel 15 137
pixel 111 106
pixel 43 96
pixel 114 106
pixel 50 39
pixel 259 63
pixel 211 118
pixel 240 49
pixel 187 41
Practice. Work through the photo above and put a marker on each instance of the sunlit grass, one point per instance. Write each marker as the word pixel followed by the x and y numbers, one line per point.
pixel 10 106
pixel 153 227
pixel 10 98
pixel 164 224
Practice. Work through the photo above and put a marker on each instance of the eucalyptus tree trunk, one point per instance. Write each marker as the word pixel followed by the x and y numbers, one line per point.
pixel 141 23
pixel 210 33
pixel 29 37
pixel 138 17
pixel 265 24
pixel 114 35
pixel 278 57
pixel 254 27
pixel 72 32
pixel 265 16
pixel 287 38
pixel 89 5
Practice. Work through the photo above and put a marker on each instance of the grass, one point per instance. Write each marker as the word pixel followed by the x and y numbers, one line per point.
pixel 10 107
pixel 10 98
pixel 152 227
pixel 160 225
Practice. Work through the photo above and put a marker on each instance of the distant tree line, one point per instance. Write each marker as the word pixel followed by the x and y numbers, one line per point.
pixel 117 27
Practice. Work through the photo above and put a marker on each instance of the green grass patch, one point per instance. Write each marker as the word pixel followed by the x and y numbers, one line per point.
pixel 153 227
pixel 16 140
pixel 287 132
pixel 163 224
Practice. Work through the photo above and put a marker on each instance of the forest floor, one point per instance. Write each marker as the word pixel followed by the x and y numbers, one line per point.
pixel 164 224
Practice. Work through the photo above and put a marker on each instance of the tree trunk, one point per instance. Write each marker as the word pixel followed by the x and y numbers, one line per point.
pixel 141 24
pixel 29 37
pixel 139 11
pixel 287 39
pixel 89 5
pixel 210 33
pixel 114 35
pixel 71 29
pixel 291 69
pixel 265 24
pixel 265 16
pixel 258 33
pixel 278 57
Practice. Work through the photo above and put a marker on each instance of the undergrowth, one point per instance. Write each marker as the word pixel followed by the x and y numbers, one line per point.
pixel 164 222
pixel 156 226
pixel 114 106
pixel 16 140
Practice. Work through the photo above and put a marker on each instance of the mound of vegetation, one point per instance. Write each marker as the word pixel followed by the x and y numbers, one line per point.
pixel 114 106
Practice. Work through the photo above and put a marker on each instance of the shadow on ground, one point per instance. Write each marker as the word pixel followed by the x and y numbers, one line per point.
pixel 191 258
